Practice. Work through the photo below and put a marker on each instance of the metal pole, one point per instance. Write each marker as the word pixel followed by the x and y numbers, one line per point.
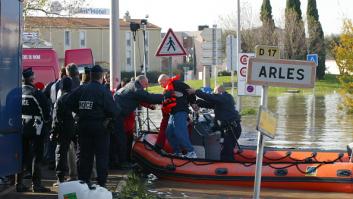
pixel 238 49
pixel 214 53
pixel 170 63
pixel 231 64
pixel 145 68
pixel 313 110
pixel 134 56
pixel 260 149
pixel 114 31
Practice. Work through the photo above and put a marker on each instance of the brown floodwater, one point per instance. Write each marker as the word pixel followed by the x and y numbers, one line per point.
pixel 301 124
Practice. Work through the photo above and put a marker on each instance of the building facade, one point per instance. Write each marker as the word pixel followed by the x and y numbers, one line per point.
pixel 72 33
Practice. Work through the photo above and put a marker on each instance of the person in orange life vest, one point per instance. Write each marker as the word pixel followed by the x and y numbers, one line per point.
pixel 178 104
pixel 167 105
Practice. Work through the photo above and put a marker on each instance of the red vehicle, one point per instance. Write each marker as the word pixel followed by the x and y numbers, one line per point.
pixel 82 57
pixel 44 62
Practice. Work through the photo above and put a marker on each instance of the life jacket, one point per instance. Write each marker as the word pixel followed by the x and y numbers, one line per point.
pixel 170 102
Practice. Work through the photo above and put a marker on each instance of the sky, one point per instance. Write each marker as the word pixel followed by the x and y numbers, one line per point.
pixel 186 15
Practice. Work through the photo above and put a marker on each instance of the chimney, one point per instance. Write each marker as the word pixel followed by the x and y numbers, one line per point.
pixel 127 16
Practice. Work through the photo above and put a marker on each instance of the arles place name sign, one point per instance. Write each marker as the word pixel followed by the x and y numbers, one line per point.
pixel 281 73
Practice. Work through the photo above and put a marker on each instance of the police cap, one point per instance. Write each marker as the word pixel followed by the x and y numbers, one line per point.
pixel 96 69
pixel 27 73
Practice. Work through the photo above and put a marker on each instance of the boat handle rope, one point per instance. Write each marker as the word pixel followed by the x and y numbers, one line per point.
pixel 254 158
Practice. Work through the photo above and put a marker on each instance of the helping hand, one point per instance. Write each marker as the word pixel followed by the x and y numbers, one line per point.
pixel 195 107
pixel 191 91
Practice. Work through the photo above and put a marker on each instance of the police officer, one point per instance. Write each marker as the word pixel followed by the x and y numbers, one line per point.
pixel 94 106
pixel 35 112
pixel 227 118
pixel 63 129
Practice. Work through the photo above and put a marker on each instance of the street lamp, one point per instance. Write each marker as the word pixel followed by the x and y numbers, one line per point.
pixel 134 27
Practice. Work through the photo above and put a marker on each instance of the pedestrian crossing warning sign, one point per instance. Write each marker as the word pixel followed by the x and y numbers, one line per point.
pixel 170 46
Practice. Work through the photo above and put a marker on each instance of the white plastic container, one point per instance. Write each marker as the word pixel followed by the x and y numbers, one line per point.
pixel 77 190
pixel 73 190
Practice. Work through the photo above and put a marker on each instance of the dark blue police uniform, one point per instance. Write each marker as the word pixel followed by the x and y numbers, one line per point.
pixel 63 129
pixel 35 112
pixel 93 104
pixel 227 119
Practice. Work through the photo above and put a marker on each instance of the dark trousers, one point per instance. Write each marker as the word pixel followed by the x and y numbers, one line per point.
pixel 230 137
pixel 61 157
pixel 121 140
pixel 32 157
pixel 92 142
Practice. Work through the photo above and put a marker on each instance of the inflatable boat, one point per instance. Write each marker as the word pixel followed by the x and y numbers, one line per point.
pixel 328 171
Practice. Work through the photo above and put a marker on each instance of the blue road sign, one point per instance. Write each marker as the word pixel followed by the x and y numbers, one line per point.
pixel 313 58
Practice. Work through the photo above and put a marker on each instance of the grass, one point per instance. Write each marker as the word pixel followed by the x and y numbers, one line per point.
pixel 135 188
pixel 328 85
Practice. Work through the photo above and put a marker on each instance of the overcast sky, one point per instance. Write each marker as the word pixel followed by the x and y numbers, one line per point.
pixel 186 15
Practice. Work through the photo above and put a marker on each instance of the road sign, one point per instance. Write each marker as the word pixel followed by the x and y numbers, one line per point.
pixel 313 57
pixel 208 61
pixel 207 34
pixel 170 46
pixel 281 73
pixel 243 87
pixel 271 52
pixel 232 52
pixel 242 71
pixel 208 45
pixel 267 122
pixel 209 53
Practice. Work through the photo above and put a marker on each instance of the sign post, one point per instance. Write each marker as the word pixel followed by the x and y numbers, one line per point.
pixel 281 73
pixel 313 58
pixel 263 52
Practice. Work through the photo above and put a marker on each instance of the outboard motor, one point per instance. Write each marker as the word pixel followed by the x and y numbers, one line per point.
pixel 203 136
pixel 349 151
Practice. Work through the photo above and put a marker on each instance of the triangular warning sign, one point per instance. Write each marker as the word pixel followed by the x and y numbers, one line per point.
pixel 170 46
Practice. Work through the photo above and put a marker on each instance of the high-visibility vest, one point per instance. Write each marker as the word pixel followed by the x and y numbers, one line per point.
pixel 170 102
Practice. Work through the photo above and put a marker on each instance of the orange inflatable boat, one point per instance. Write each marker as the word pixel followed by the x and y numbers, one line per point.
pixel 328 171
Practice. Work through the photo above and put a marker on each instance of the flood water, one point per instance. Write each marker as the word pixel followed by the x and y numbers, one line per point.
pixel 300 125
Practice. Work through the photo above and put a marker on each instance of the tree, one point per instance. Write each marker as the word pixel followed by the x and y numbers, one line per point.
pixel 268 33
pixel 294 33
pixel 330 42
pixel 343 53
pixel 47 7
pixel 316 39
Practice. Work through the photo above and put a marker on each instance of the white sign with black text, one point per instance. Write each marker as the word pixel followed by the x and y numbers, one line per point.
pixel 281 73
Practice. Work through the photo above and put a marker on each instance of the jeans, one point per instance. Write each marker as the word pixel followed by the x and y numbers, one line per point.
pixel 177 132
